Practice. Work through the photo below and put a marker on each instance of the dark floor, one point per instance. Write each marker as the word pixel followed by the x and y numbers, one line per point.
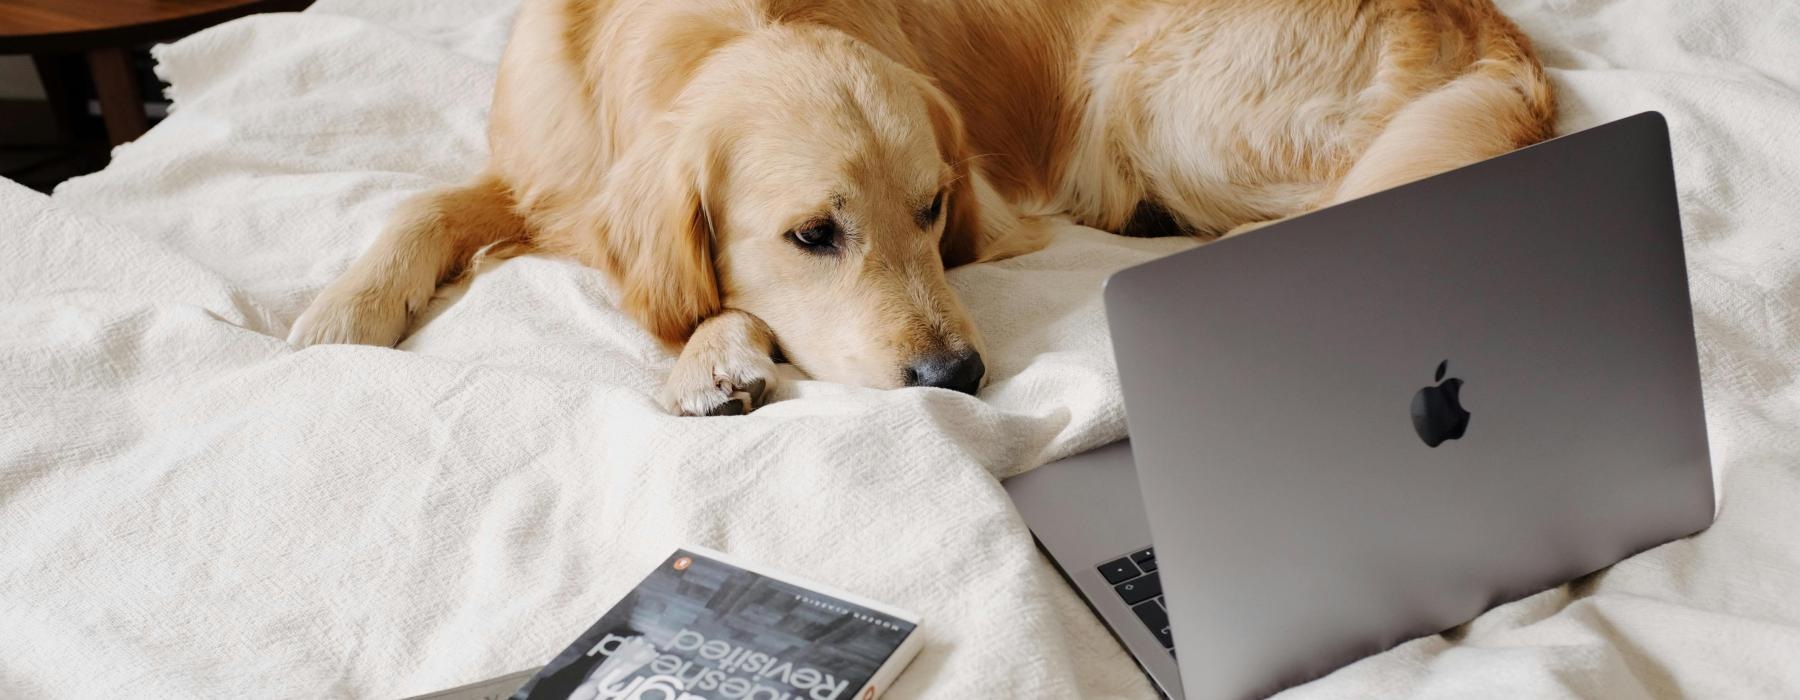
pixel 32 153
pixel 41 145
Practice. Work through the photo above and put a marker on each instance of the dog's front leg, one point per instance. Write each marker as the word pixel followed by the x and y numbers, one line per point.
pixel 725 369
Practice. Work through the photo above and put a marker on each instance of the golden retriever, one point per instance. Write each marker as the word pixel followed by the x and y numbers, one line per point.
pixel 794 176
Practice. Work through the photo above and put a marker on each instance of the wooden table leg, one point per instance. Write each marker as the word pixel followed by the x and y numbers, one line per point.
pixel 121 104
pixel 53 74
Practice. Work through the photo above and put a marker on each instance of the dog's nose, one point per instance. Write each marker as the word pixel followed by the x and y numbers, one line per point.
pixel 959 372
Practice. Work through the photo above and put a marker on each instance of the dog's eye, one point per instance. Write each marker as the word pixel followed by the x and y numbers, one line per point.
pixel 929 215
pixel 815 236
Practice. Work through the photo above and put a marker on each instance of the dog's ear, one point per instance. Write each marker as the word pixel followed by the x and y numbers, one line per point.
pixel 978 224
pixel 962 217
pixel 658 237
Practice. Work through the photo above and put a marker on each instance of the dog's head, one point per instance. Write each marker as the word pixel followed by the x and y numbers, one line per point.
pixel 811 181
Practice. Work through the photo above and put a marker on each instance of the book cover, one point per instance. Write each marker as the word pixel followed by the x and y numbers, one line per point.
pixel 705 627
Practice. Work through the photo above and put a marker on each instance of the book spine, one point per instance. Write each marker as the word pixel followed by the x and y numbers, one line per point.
pixel 890 669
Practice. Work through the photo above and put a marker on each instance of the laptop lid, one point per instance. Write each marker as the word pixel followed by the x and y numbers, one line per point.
pixel 1283 388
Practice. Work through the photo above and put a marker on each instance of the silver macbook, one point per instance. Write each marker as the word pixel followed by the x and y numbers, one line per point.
pixel 1376 421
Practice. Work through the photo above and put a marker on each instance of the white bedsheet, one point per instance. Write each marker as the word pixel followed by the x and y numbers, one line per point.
pixel 190 508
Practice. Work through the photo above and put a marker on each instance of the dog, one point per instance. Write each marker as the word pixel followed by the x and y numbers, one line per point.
pixel 793 177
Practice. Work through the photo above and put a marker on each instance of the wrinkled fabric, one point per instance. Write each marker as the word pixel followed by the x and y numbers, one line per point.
pixel 189 507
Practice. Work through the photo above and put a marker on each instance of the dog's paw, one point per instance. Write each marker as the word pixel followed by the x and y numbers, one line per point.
pixel 351 317
pixel 716 382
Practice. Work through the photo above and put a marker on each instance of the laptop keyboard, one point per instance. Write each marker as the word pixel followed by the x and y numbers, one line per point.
pixel 1134 578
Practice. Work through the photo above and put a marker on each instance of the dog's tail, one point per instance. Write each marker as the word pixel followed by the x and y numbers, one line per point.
pixel 431 238
pixel 1500 102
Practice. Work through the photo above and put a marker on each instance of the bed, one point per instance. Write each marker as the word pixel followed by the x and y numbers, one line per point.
pixel 191 508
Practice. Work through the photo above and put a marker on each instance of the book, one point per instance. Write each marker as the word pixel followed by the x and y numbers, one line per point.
pixel 704 626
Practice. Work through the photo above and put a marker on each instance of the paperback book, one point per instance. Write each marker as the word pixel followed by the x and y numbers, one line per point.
pixel 705 627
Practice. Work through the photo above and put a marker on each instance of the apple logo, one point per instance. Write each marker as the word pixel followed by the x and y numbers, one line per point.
pixel 1437 411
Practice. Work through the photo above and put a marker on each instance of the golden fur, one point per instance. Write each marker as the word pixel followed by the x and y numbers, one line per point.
pixel 685 145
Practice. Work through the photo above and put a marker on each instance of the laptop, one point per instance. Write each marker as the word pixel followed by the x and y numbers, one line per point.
pixel 1374 422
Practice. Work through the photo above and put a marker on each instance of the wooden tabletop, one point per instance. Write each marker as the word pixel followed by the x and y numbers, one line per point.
pixel 34 26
